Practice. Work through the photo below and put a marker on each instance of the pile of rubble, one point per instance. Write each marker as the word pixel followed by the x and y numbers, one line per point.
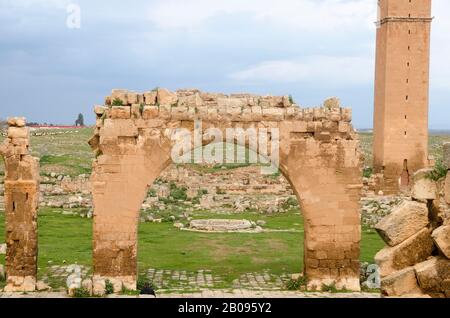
pixel 417 232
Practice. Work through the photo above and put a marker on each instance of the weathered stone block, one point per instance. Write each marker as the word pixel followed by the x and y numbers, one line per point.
pixel 447 189
pixel 166 98
pixel 136 111
pixel 18 132
pixel 447 155
pixel 99 110
pixel 150 98
pixel 346 114
pixel 332 103
pixel 424 188
pixel 432 274
pixel 16 122
pixel 120 112
pixel 405 221
pixel 400 283
pixel 414 250
pixel 150 112
pixel 441 237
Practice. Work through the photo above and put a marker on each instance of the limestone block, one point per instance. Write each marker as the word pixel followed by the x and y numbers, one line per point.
pixel 190 101
pixel 231 102
pixel 18 132
pixel 16 122
pixel 344 127
pixel 166 98
pixel 441 237
pixel 405 221
pixel 447 155
pixel 150 112
pixel 118 127
pixel 98 286
pixel 132 98
pixel 165 112
pixel 99 110
pixel 120 112
pixel 273 114
pixel 286 101
pixel 257 113
pixel 414 250
pixel 136 111
pixel 403 282
pixel 150 98
pixel 120 94
pixel 447 189
pixel 346 114
pixel 423 187
pixel 41 286
pixel 432 274
pixel 332 103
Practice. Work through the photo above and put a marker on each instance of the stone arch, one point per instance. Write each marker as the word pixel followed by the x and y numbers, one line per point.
pixel 318 154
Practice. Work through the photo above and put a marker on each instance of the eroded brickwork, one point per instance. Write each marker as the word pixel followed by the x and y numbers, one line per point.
pixel 401 91
pixel 21 203
pixel 319 155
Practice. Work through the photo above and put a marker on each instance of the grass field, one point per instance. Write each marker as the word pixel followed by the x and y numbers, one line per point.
pixel 68 239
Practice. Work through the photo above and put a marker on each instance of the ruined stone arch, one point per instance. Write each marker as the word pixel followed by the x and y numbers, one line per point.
pixel 318 152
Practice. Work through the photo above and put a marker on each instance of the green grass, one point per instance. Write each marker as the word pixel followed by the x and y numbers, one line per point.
pixel 68 239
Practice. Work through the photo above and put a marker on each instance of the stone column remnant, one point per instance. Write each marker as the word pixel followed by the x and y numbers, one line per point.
pixel 21 204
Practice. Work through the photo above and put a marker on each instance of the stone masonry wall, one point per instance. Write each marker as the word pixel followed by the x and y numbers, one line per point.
pixel 21 203
pixel 319 156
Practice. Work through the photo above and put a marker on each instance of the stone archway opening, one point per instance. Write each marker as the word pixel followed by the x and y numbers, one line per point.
pixel 220 225
pixel 318 153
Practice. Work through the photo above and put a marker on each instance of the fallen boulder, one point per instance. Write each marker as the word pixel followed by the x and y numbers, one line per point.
pixel 414 250
pixel 405 221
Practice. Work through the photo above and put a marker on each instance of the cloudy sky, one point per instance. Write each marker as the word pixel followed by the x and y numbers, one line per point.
pixel 312 49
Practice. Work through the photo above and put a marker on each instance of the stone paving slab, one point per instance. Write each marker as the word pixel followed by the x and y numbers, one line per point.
pixel 238 293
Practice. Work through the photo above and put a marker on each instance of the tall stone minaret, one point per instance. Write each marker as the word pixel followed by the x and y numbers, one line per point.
pixel 401 90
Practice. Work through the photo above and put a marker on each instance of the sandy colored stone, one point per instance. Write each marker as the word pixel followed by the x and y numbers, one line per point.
pixel 423 187
pixel 21 190
pixel 446 155
pixel 120 112
pixel 412 251
pixel 441 237
pixel 166 98
pixel 401 283
pixel 332 103
pixel 16 122
pixel 433 274
pixel 447 189
pixel 404 221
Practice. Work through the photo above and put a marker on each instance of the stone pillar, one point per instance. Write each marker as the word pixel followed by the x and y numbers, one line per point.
pixel 21 205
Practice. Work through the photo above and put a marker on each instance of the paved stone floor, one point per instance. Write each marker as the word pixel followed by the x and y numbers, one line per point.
pixel 202 279
pixel 237 293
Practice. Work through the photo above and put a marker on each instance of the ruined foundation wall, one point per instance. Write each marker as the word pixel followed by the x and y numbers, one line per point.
pixel 319 156
pixel 21 204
